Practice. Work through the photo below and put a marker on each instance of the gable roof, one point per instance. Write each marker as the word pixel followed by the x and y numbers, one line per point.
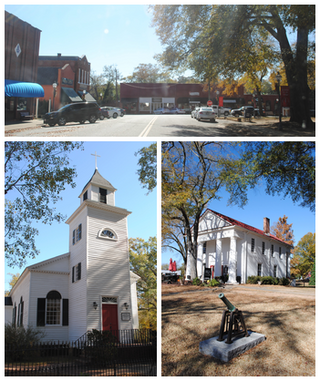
pixel 97 179
pixel 234 222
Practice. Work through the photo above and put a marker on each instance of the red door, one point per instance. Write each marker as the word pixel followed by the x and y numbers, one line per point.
pixel 109 317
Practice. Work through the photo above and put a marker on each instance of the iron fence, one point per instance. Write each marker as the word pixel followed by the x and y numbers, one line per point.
pixel 116 353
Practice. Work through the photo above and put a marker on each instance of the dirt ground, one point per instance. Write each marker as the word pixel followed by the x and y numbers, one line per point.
pixel 285 315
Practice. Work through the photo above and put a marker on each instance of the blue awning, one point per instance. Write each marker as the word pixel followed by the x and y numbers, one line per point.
pixel 23 89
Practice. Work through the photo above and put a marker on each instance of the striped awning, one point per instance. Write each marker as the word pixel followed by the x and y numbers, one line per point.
pixel 23 89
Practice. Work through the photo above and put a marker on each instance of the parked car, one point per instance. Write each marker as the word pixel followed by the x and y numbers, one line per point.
pixel 194 112
pixel 113 112
pixel 73 112
pixel 175 110
pixel 220 110
pixel 206 113
pixel 243 111
pixel 162 110
pixel 104 113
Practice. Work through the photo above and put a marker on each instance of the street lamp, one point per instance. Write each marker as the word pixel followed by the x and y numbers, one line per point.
pixel 278 78
pixel 54 85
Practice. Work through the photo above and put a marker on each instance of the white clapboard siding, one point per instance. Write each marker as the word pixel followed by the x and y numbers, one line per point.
pixel 78 289
pixel 22 289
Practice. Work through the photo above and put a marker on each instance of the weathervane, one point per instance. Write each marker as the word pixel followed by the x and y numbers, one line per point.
pixel 95 154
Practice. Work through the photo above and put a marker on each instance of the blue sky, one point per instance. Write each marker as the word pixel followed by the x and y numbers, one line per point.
pixel 118 164
pixel 107 34
pixel 261 205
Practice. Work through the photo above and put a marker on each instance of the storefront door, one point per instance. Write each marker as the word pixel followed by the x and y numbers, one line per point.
pixel 156 105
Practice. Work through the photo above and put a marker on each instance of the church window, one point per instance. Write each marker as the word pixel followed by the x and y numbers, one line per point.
pixel 77 234
pixel 280 254
pixel 85 195
pixel 108 234
pixel 272 250
pixel 263 248
pixel 110 300
pixel 103 195
pixel 76 272
pixel 20 313
pixel 52 310
pixel 252 245
pixel 259 269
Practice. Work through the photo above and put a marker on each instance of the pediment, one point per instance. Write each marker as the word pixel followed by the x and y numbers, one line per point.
pixel 211 221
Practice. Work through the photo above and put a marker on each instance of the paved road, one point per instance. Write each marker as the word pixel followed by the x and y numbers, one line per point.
pixel 151 126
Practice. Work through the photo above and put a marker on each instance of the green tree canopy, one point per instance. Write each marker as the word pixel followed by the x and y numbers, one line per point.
pixel 143 262
pixel 35 175
pixel 304 255
pixel 221 41
pixel 148 166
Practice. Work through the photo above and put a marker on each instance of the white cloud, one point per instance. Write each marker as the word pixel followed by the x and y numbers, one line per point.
pixel 106 31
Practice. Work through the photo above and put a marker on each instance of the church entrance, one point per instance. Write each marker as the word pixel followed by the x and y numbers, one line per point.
pixel 110 317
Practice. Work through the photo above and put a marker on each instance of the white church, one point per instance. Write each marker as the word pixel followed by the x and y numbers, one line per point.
pixel 91 286
pixel 230 247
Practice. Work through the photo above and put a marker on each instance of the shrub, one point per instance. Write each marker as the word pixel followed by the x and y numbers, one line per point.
pixel 196 281
pixel 213 283
pixel 268 280
pixel 284 281
pixel 254 279
pixel 19 339
pixel 102 346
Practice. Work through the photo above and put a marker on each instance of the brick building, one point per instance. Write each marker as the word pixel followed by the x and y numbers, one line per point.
pixel 144 98
pixel 22 42
pixel 70 73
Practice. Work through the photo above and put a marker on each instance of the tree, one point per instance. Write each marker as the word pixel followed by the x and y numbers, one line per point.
pixel 35 175
pixel 148 166
pixel 148 73
pixel 312 281
pixel 143 262
pixel 13 281
pixel 304 256
pixel 283 230
pixel 288 168
pixel 193 174
pixel 112 74
pixel 217 40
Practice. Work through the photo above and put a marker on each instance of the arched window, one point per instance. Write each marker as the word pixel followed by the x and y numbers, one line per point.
pixel 108 233
pixel 52 310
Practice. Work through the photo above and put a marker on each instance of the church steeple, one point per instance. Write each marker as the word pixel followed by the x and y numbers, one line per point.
pixel 98 189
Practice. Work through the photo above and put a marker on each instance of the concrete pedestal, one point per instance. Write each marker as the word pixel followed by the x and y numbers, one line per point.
pixel 226 352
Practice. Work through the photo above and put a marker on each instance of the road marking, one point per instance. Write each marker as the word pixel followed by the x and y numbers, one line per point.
pixel 145 132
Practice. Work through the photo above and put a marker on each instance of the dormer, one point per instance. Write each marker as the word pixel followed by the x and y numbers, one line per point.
pixel 98 189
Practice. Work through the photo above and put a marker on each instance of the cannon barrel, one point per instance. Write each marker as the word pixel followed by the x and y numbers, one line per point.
pixel 229 305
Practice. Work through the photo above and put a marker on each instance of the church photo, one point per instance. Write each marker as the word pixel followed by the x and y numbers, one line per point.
pixel 90 285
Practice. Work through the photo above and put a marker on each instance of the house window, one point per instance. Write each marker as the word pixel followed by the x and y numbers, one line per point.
pixel 280 254
pixel 77 234
pixel 252 245
pixel 204 248
pixel 85 195
pixel 76 272
pixel 103 195
pixel 275 271
pixel 272 250
pixel 259 269
pixel 263 248
pixel 53 308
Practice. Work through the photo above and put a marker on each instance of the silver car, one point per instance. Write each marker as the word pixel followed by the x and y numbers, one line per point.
pixel 194 112
pixel 206 113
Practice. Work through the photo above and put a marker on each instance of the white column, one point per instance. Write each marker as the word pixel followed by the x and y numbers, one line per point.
pixel 233 261
pixel 200 260
pixel 219 253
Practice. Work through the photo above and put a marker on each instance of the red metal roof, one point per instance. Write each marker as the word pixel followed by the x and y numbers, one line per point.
pixel 232 221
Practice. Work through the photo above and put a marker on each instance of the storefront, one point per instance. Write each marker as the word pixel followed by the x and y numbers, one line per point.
pixel 145 98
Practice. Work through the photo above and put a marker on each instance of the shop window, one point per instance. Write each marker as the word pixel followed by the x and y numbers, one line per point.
pixel 144 107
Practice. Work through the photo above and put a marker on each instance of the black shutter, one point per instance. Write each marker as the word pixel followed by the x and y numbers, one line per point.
pixel 79 270
pixel 41 312
pixel 73 274
pixel 21 319
pixel 65 311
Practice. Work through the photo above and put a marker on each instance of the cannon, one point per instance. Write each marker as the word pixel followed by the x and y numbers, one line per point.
pixel 232 322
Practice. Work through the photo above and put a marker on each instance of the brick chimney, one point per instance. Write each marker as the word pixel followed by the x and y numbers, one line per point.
pixel 266 225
